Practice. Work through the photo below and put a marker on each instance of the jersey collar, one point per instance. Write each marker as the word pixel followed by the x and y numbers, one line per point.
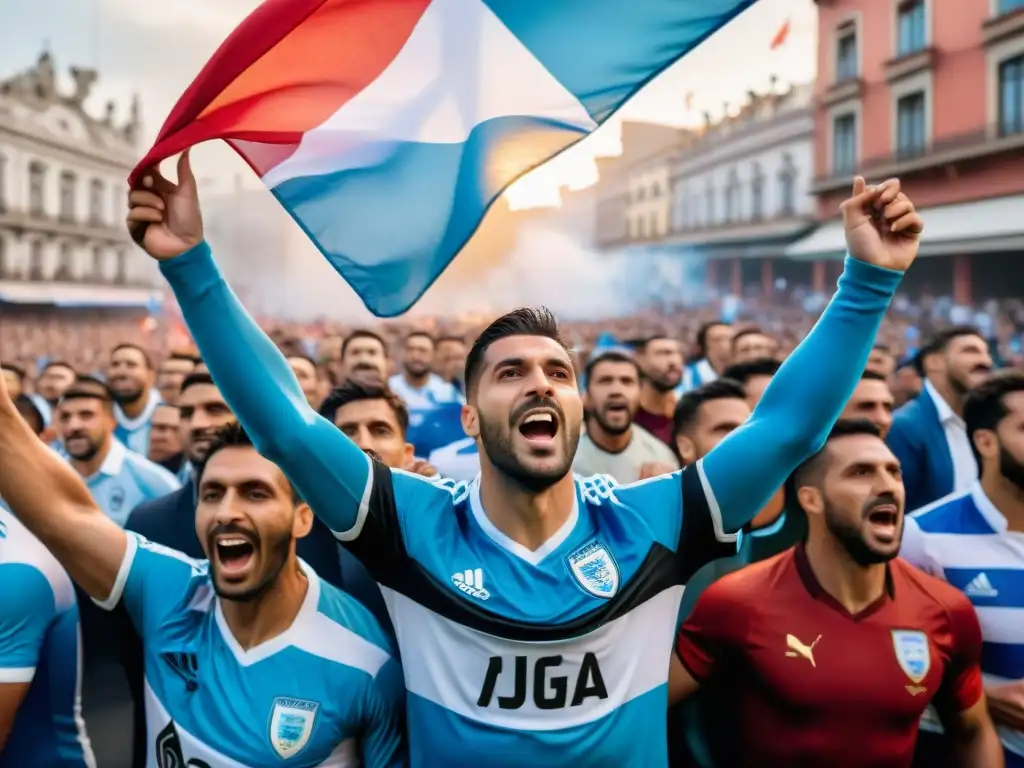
pixel 803 568
pixel 533 557
pixel 987 509
pixel 115 458
pixel 275 644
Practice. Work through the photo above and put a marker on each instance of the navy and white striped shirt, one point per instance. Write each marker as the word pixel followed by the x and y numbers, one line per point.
pixel 964 539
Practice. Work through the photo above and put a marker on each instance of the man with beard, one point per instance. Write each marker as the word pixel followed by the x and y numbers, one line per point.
pixel 172 373
pixel 117 478
pixel 871 400
pixel 165 439
pixel 250 658
pixel 416 383
pixel 130 376
pixel 928 434
pixel 714 352
pixel 534 613
pixel 364 357
pixel 613 445
pixel 831 651
pixel 975 540
pixel 661 367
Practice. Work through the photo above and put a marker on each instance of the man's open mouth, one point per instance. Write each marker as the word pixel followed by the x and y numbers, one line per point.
pixel 234 552
pixel 539 426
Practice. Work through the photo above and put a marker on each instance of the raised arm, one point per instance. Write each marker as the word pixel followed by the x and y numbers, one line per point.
pixel 808 393
pixel 329 470
pixel 50 499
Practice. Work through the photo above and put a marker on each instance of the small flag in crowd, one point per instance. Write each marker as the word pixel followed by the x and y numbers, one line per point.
pixel 387 128
pixel 780 37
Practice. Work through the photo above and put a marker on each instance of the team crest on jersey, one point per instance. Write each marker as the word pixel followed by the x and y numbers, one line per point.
pixel 291 725
pixel 595 569
pixel 913 653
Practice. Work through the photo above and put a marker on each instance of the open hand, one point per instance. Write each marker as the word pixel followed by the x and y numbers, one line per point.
pixel 164 218
pixel 882 227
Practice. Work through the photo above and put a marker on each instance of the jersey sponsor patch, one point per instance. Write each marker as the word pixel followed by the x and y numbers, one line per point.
pixel 912 653
pixel 291 725
pixel 595 569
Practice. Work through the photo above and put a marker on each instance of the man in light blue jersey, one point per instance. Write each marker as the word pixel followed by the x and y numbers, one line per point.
pixel 975 540
pixel 118 479
pixel 40 681
pixel 534 615
pixel 249 658
pixel 132 378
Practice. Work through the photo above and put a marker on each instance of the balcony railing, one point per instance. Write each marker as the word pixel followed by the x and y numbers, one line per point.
pixel 990 140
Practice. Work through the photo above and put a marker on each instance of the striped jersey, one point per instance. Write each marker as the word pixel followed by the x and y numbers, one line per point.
pixel 39 644
pixel 326 692
pixel 964 539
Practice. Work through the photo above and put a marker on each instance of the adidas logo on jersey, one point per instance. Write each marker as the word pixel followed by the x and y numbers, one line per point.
pixel 980 586
pixel 471 581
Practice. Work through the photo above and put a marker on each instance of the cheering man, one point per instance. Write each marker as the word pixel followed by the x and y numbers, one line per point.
pixel 534 615
pixel 249 658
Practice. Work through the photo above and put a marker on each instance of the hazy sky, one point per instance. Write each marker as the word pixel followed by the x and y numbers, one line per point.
pixel 156 47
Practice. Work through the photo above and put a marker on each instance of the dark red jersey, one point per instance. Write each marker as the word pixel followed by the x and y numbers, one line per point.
pixel 811 684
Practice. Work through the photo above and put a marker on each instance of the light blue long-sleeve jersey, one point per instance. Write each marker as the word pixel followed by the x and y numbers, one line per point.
pixel 556 655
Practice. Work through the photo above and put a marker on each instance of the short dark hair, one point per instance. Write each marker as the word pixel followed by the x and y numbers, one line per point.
pixel 184 356
pixel 689 404
pixel 640 345
pixel 873 376
pixel 745 371
pixel 24 405
pixel 303 356
pixel 353 391
pixel 749 331
pixel 88 387
pixel 608 356
pixel 940 340
pixel 233 435
pixel 128 345
pixel 194 379
pixel 421 334
pixel 58 364
pixel 985 404
pixel 880 346
pixel 451 337
pixel 704 330
pixel 17 370
pixel 362 333
pixel 525 321
pixel 842 428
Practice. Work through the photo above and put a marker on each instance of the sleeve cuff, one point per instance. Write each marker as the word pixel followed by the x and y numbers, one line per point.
pixel 190 268
pixel 17 675
pixel 863 274
pixel 131 547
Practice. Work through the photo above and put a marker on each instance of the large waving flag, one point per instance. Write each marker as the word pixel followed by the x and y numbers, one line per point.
pixel 387 128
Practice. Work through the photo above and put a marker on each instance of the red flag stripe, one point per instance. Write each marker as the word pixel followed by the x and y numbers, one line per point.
pixel 286 69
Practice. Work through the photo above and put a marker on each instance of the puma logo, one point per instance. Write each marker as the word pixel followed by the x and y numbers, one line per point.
pixel 797 650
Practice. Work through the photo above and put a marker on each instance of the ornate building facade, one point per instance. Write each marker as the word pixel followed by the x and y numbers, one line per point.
pixel 63 193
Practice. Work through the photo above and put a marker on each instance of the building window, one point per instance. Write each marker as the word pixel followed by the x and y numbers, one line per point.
pixel 64 264
pixel 96 202
pixel 3 183
pixel 35 261
pixel 847 67
pixel 37 189
pixel 97 263
pixel 910 125
pixel 67 196
pixel 757 193
pixel 121 273
pixel 732 197
pixel 787 186
pixel 656 189
pixel 3 259
pixel 910 28
pixel 683 209
pixel 1011 96
pixel 1008 6
pixel 844 144
pixel 709 197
